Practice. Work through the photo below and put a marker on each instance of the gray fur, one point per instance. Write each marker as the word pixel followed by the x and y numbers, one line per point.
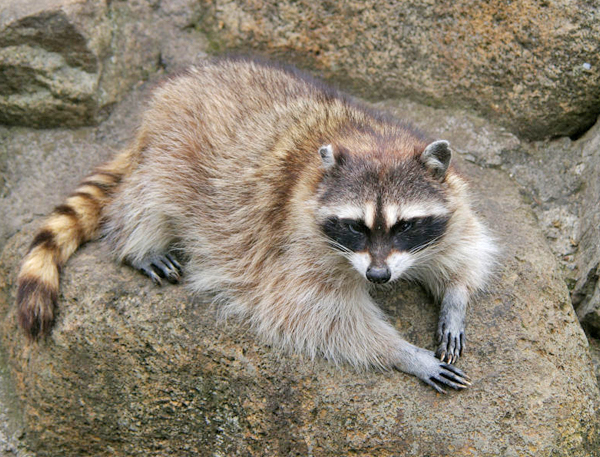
pixel 451 325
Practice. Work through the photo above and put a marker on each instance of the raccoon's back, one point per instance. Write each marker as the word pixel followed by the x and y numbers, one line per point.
pixel 231 141
pixel 219 104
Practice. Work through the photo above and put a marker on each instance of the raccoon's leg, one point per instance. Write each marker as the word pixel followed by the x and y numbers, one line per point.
pixel 139 231
pixel 366 332
pixel 351 326
pixel 451 324
pixel 428 368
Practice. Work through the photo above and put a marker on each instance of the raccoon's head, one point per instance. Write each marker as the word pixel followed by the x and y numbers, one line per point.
pixel 385 212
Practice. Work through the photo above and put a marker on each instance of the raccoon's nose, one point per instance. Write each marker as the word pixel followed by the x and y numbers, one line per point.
pixel 378 275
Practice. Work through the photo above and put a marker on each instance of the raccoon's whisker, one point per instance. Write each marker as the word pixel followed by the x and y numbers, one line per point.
pixel 421 249
pixel 341 249
pixel 336 245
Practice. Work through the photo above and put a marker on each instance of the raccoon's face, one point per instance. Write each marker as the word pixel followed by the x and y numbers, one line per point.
pixel 384 217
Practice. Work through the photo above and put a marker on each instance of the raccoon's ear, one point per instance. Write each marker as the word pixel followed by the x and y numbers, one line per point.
pixel 436 158
pixel 327 156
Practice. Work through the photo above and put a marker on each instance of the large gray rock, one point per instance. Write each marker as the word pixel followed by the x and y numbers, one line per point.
pixel 586 294
pixel 66 62
pixel 561 178
pixel 131 369
pixel 534 66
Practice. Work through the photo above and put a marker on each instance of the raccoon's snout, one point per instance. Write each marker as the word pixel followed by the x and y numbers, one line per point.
pixel 378 275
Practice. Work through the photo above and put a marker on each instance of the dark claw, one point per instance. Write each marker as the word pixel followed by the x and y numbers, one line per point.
pixel 160 266
pixel 450 348
pixel 457 382
pixel 456 371
pixel 432 383
pixel 152 275
pixel 447 380
pixel 174 263
pixel 451 378
pixel 452 384
pixel 166 270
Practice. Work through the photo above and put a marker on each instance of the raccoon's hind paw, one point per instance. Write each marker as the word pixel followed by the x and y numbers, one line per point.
pixel 437 374
pixel 35 306
pixel 160 266
pixel 451 339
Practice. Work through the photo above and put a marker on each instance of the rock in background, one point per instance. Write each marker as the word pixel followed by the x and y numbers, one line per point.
pixel 134 370
pixel 586 296
pixel 65 62
pixel 531 65
pixel 563 180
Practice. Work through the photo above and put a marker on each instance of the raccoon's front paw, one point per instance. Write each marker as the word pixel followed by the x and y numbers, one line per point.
pixel 451 338
pixel 159 266
pixel 437 374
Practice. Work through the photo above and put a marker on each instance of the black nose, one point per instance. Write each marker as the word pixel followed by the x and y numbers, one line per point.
pixel 379 275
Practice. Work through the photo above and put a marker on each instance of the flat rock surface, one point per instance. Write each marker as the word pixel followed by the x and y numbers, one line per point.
pixel 131 369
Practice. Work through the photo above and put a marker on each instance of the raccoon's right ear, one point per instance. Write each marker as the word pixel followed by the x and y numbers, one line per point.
pixel 436 158
pixel 327 156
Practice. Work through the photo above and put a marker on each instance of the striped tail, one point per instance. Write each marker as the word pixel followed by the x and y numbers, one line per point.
pixel 74 222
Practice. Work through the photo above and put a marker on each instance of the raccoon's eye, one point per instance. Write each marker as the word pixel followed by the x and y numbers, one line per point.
pixel 404 226
pixel 356 227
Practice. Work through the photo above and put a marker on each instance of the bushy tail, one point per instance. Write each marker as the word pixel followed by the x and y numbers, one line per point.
pixel 74 222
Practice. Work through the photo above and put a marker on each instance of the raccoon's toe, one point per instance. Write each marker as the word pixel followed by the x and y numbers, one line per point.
pixel 160 266
pixel 437 374
pixel 451 345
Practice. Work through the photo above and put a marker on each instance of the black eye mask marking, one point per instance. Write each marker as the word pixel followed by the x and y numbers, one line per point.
pixel 355 227
pixel 405 235
pixel 415 234
pixel 349 233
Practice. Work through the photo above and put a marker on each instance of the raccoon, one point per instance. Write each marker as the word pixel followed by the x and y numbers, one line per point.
pixel 287 200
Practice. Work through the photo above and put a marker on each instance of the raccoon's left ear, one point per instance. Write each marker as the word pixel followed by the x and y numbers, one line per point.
pixel 326 153
pixel 436 158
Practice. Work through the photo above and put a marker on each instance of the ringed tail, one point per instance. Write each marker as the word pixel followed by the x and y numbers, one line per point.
pixel 72 223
